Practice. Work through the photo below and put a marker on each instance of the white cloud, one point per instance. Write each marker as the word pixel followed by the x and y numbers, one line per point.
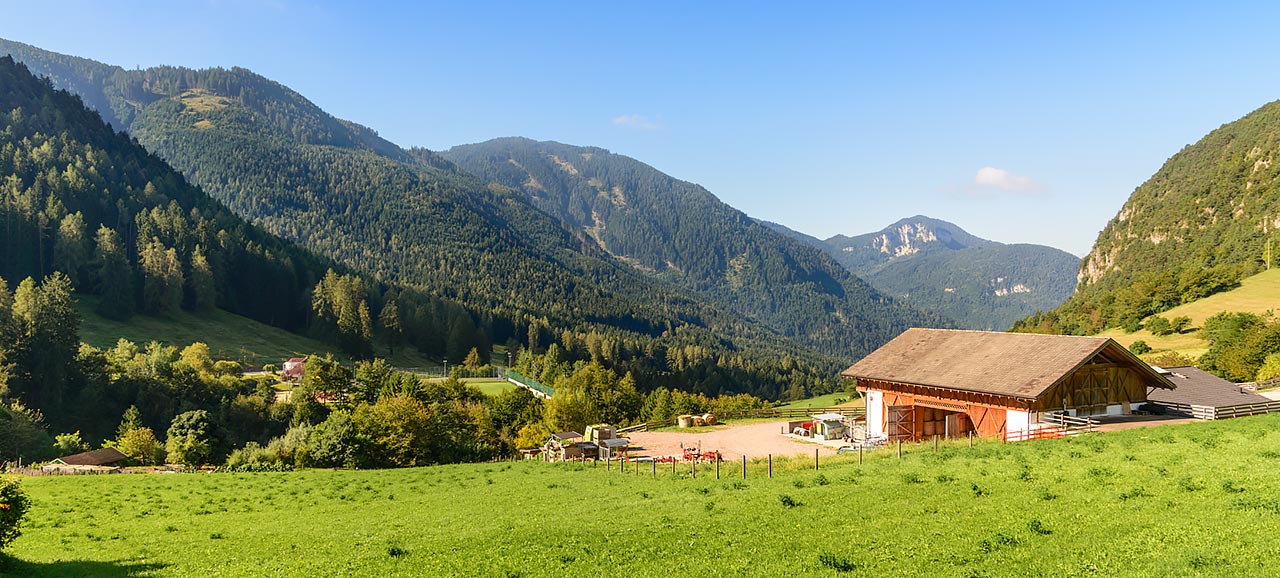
pixel 993 178
pixel 636 121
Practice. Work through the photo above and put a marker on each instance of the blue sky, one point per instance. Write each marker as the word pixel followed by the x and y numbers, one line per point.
pixel 1023 122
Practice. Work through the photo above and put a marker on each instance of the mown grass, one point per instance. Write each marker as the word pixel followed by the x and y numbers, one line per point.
pixel 489 386
pixel 1192 500
pixel 228 336
pixel 1257 294
pixel 828 400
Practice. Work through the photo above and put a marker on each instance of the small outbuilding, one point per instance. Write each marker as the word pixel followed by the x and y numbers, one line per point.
pixel 828 426
pixel 1199 391
pixel 614 448
pixel 944 382
pixel 600 432
pixel 108 457
pixel 563 446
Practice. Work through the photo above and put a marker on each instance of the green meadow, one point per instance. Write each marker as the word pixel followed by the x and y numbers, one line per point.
pixel 1191 500
pixel 229 336
pixel 1256 294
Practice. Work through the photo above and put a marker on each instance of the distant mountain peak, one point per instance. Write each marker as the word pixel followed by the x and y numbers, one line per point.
pixel 940 267
pixel 904 238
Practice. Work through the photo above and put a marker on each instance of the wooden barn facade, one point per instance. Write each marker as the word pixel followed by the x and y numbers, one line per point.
pixel 943 382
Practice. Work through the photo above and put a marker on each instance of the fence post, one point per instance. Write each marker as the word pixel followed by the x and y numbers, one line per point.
pixel 693 469
pixel 970 438
pixel 899 450
pixel 655 469
pixel 717 469
pixel 770 465
pixel 744 466
pixel 859 454
pixel 935 442
pixel 815 459
pixel 673 467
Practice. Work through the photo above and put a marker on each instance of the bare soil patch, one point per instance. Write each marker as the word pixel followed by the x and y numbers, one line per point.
pixel 753 440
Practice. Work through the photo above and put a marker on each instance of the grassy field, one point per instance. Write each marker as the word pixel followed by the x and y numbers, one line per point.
pixel 828 400
pixel 1257 294
pixel 489 386
pixel 1192 500
pixel 229 336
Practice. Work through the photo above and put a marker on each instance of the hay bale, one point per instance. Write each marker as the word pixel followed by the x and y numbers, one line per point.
pixel 709 418
pixel 685 421
pixel 698 421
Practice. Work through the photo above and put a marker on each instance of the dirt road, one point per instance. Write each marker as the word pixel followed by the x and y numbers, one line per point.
pixel 755 440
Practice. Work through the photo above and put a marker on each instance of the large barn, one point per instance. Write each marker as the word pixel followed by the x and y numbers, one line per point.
pixel 945 382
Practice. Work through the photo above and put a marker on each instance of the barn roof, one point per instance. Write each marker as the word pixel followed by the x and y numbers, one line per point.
pixel 1018 365
pixel 102 457
pixel 1198 387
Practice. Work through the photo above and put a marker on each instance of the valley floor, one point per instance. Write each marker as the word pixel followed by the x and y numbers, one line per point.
pixel 1187 500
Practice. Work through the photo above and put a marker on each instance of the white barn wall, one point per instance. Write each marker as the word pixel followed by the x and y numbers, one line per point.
pixel 875 413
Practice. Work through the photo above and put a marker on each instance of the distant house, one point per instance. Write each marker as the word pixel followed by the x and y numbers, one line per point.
pixel 928 382
pixel 293 369
pixel 105 458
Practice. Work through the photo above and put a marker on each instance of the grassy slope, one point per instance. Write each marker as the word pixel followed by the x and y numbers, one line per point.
pixel 1257 294
pixel 1190 500
pixel 229 336
pixel 828 400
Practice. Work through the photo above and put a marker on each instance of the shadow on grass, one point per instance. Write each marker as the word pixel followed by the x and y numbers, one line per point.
pixel 14 567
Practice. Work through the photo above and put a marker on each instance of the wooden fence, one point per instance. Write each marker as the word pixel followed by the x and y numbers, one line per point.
pixel 778 412
pixel 1256 385
pixel 1207 412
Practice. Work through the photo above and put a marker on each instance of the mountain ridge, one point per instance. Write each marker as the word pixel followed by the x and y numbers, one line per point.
pixel 415 217
pixel 681 232
pixel 937 265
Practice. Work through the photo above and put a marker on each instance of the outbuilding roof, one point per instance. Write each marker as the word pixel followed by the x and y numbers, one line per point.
pixel 102 457
pixel 1019 365
pixel 615 442
pixel 1198 387
pixel 566 435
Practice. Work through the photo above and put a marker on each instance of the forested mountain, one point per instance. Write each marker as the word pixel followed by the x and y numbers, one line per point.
pixel 413 218
pixel 1205 220
pixel 84 200
pixel 680 232
pixel 940 267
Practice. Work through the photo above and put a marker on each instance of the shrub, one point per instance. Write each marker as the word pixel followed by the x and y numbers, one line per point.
pixel 1159 326
pixel 69 443
pixel 231 368
pixel 13 506
pixel 141 445
pixel 1140 347
pixel 1180 323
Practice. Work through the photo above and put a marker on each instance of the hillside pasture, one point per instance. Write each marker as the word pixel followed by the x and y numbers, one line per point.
pixel 1256 294
pixel 229 336
pixel 1189 500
